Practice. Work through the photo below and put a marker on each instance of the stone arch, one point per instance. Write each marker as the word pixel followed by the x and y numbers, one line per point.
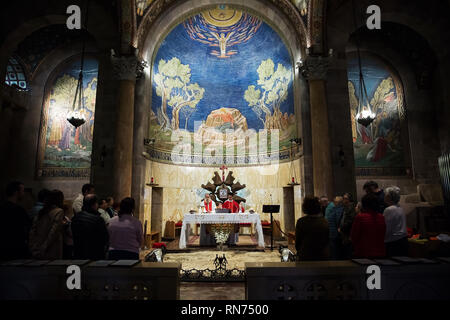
pixel 103 28
pixel 339 29
pixel 25 151
pixel 419 106
pixel 388 61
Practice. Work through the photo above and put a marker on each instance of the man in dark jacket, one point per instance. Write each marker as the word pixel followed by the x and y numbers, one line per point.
pixel 345 227
pixel 312 233
pixel 15 225
pixel 371 187
pixel 90 236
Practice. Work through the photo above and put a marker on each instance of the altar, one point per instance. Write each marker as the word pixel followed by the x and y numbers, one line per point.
pixel 220 218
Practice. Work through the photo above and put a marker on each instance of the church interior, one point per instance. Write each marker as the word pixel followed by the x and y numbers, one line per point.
pixel 204 150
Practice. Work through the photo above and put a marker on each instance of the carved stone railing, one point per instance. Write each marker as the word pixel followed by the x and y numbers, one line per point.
pixel 100 280
pixel 417 279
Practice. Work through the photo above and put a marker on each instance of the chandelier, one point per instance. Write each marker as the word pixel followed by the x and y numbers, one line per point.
pixel 76 116
pixel 365 116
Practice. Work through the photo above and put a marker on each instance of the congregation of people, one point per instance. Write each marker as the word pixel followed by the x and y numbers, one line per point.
pixel 92 228
pixel 341 229
pixel 98 229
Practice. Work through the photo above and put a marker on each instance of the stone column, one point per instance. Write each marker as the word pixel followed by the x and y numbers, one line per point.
pixel 126 69
pixel 314 69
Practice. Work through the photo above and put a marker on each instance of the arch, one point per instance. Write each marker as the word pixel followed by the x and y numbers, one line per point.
pixel 65 142
pixel 390 124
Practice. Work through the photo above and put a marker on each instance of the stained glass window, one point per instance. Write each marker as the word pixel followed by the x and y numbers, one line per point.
pixel 15 74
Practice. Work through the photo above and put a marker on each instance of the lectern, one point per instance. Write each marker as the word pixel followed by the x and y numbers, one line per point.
pixel 271 209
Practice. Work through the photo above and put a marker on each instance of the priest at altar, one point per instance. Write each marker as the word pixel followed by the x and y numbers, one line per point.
pixel 234 207
pixel 206 236
pixel 208 207
pixel 230 204
pixel 208 204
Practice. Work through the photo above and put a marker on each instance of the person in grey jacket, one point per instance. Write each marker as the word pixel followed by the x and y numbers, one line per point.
pixel 396 238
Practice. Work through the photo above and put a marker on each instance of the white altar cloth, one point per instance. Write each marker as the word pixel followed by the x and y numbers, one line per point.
pixel 210 218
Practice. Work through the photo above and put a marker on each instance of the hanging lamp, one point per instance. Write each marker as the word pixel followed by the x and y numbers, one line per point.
pixel 75 116
pixel 365 116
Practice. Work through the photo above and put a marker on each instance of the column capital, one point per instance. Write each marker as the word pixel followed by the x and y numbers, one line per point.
pixel 127 67
pixel 315 67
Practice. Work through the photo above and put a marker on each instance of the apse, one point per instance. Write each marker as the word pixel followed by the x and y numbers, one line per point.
pixel 222 82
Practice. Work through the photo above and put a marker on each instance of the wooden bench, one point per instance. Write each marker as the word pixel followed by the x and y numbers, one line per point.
pixel 150 239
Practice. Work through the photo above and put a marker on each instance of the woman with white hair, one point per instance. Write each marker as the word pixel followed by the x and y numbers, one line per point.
pixel 396 237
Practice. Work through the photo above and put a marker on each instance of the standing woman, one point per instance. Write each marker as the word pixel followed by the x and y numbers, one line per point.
pixel 46 236
pixel 396 238
pixel 125 233
pixel 369 229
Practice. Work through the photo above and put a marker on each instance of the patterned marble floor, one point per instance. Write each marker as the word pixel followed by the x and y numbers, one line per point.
pixel 212 291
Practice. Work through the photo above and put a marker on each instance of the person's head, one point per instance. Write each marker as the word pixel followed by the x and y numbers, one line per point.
pixel 15 191
pixel 392 195
pixel 42 195
pixel 370 203
pixel 54 198
pixel 102 204
pixel 324 201
pixel 110 201
pixel 90 203
pixel 337 200
pixel 87 189
pixel 126 206
pixel 230 196
pixel 370 187
pixel 311 205
pixel 207 197
pixel 347 199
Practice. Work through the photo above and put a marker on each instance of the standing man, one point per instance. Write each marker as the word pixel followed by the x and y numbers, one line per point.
pixel 110 208
pixel 345 227
pixel 102 206
pixel 371 187
pixel 323 204
pixel 90 236
pixel 206 237
pixel 210 206
pixel 77 205
pixel 15 225
pixel 231 204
